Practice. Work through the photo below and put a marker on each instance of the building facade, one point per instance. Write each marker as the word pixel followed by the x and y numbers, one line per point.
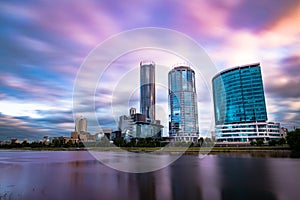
pixel 147 89
pixel 239 105
pixel 245 132
pixel 183 124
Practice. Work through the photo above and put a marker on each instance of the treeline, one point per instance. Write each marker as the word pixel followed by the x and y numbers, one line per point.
pixel 56 143
pixel 141 142
pixel 292 139
pixel 260 142
pixel 153 142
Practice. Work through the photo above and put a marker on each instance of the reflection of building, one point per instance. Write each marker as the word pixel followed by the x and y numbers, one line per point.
pixel 183 104
pixel 239 105
pixel 147 89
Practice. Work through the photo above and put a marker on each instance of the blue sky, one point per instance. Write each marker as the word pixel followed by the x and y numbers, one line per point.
pixel 44 43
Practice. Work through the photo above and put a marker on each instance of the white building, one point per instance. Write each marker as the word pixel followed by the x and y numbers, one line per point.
pixel 248 131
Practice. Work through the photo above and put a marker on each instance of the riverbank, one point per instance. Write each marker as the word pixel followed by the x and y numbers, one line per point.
pixel 150 149
pixel 261 151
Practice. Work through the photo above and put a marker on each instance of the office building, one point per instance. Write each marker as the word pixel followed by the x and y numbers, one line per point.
pixel 183 124
pixel 125 125
pixel 147 89
pixel 239 106
pixel 136 126
pixel 81 125
pixel 81 132
pixel 143 125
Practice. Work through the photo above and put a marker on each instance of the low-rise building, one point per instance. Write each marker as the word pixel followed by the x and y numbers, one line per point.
pixel 245 132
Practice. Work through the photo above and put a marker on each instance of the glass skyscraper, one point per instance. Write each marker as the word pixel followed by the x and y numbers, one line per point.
pixel 147 89
pixel 183 104
pixel 239 104
pixel 239 95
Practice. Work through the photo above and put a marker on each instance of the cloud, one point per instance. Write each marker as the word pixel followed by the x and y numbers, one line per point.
pixel 21 128
pixel 34 121
pixel 291 65
pixel 45 43
pixel 33 88
pixel 256 16
pixel 285 83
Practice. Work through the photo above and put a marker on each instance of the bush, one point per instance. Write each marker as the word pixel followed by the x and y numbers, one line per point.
pixel 259 142
pixel 252 142
pixel 273 142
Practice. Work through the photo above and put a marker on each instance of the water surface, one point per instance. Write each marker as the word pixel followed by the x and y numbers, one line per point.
pixel 78 175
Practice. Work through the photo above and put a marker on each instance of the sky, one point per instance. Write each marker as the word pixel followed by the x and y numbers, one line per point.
pixel 45 43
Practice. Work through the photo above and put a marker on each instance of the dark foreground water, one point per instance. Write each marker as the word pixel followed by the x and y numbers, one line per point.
pixel 77 175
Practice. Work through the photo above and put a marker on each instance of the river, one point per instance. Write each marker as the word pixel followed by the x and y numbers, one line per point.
pixel 78 175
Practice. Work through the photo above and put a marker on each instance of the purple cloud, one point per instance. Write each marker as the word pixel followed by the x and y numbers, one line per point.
pixel 259 15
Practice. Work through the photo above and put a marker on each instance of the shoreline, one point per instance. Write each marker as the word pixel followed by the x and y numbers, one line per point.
pixel 167 149
pixel 265 151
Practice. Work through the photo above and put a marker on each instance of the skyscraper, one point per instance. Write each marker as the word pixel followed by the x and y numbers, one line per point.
pixel 239 105
pixel 81 124
pixel 183 104
pixel 147 89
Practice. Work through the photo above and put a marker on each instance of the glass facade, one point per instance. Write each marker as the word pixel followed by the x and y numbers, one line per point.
pixel 239 105
pixel 147 89
pixel 239 95
pixel 183 102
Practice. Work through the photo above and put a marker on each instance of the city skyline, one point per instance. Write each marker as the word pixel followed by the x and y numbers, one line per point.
pixel 44 44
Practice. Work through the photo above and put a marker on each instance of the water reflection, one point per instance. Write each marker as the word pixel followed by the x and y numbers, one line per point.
pixel 244 178
pixel 184 178
pixel 77 175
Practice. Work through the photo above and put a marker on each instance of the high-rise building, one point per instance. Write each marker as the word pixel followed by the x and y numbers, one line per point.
pixel 147 89
pixel 239 95
pixel 81 125
pixel 143 125
pixel 183 107
pixel 239 105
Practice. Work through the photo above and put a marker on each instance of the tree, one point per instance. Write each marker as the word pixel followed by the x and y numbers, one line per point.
pixel 208 142
pixel 259 142
pixel 68 144
pixel 273 142
pixel 200 141
pixel 252 142
pixel 282 141
pixel 25 144
pixel 293 139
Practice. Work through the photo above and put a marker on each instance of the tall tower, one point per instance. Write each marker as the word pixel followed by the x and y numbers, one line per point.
pixel 183 102
pixel 147 87
pixel 239 106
